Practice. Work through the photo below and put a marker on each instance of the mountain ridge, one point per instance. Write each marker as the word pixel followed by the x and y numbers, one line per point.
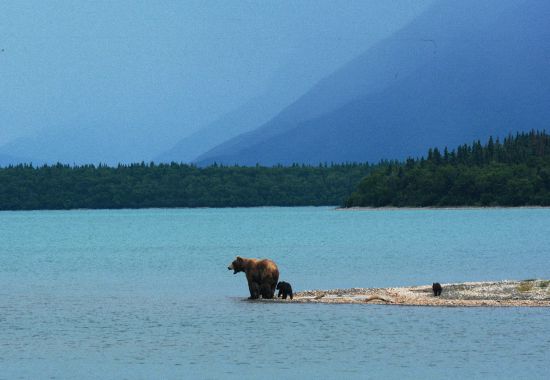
pixel 478 68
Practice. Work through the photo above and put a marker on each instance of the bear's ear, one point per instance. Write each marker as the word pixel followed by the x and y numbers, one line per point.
pixel 239 258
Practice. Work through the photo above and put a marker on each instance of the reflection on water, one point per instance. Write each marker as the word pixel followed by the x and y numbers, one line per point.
pixel 146 294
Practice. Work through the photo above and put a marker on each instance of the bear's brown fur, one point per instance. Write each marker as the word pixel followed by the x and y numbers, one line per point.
pixel 262 275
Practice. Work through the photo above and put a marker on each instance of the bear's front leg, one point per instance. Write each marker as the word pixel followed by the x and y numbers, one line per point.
pixel 254 288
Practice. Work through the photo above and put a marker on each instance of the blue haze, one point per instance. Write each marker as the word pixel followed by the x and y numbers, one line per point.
pixel 146 293
pixel 107 81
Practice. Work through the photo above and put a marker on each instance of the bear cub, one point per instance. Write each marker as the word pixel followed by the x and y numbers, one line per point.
pixel 436 287
pixel 284 289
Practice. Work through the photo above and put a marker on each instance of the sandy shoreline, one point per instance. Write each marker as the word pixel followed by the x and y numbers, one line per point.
pixel 528 293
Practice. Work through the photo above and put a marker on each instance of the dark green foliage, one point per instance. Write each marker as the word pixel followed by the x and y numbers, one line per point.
pixel 142 185
pixel 515 172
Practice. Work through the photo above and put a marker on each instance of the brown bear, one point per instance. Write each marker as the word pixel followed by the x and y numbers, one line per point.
pixel 262 275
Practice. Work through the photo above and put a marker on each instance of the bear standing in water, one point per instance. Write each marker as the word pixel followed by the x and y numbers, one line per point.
pixel 284 289
pixel 436 287
pixel 262 275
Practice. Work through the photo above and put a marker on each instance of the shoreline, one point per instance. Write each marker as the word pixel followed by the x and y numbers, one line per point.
pixel 407 208
pixel 527 293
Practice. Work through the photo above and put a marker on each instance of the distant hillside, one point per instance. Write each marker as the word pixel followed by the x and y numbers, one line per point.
pixel 514 172
pixel 461 71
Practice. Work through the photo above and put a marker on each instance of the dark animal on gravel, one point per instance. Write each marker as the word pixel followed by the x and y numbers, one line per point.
pixel 284 289
pixel 436 287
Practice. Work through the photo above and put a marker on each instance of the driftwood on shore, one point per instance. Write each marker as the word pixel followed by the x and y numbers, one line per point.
pixel 535 293
pixel 379 298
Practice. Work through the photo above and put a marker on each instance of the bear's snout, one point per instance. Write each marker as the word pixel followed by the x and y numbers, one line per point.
pixel 231 267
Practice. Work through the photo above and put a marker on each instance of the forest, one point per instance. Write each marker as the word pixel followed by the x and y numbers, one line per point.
pixel 512 172
pixel 142 185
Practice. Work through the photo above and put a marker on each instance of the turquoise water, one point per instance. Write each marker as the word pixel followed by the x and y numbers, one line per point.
pixel 147 294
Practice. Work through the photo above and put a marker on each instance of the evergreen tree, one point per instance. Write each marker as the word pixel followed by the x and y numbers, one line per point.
pixel 516 172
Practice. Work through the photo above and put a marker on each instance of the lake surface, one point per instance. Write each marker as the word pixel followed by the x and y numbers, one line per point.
pixel 147 294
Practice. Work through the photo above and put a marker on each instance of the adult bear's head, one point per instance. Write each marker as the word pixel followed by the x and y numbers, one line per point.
pixel 237 265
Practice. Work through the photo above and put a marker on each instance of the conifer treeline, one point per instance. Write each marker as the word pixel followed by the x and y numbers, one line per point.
pixel 143 185
pixel 514 172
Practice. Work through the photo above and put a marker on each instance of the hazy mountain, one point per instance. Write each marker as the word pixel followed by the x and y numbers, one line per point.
pixel 303 69
pixel 285 87
pixel 461 71
pixel 79 146
pixel 245 118
pixel 6 160
pixel 122 82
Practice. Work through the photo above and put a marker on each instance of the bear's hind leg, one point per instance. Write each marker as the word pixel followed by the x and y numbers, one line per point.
pixel 266 291
pixel 273 287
